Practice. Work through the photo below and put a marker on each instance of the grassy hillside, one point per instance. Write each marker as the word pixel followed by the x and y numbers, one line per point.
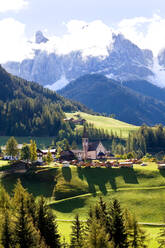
pixel 106 123
pixel 73 190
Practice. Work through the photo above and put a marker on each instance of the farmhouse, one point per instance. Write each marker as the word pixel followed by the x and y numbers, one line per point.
pixel 8 157
pixel 43 153
pixel 78 121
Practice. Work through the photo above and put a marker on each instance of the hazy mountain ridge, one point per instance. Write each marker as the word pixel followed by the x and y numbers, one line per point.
pixel 109 96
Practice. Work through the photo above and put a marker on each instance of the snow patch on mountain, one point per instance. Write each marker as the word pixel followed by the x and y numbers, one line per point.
pixel 59 84
pixel 159 74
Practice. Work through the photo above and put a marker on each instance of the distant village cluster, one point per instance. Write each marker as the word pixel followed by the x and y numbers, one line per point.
pixel 93 154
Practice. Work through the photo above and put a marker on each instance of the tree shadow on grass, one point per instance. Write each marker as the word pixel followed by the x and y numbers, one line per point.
pixel 33 183
pixel 101 176
pixel 80 173
pixel 129 175
pixel 112 173
pixel 67 174
pixel 95 177
pixel 69 205
pixel 162 172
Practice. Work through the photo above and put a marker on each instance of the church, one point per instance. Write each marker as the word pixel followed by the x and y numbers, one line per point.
pixel 91 150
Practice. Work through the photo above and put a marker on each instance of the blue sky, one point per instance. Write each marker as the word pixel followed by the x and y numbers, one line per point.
pixel 51 14
pixel 141 21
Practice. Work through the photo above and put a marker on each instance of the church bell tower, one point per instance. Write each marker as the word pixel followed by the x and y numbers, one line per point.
pixel 85 143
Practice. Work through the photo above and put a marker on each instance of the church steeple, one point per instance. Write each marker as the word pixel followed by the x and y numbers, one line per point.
pixel 85 143
pixel 85 134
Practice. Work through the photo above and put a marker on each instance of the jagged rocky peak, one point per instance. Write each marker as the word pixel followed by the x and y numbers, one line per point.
pixel 148 53
pixel 161 57
pixel 40 38
pixel 120 42
pixel 124 61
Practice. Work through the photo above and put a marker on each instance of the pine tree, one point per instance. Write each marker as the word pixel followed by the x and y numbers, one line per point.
pixel 161 239
pixel 31 208
pixel 5 201
pixel 47 225
pixel 74 145
pixel 113 146
pixel 33 151
pixel 6 231
pixel 25 233
pixel 77 233
pixel 119 235
pixel 136 236
pixel 97 236
pixel 19 193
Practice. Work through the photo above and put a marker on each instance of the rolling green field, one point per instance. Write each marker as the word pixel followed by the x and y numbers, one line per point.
pixel 106 123
pixel 71 190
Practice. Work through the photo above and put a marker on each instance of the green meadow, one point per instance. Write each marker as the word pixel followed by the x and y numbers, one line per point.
pixel 106 123
pixel 71 190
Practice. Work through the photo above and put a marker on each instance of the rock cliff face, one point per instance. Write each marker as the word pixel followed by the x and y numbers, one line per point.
pixel 125 61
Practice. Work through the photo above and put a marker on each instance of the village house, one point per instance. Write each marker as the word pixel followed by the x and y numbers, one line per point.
pixel 43 152
pixel 8 157
pixel 78 121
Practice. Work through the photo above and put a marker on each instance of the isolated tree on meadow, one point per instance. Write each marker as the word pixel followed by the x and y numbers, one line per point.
pixel 49 157
pixel 12 147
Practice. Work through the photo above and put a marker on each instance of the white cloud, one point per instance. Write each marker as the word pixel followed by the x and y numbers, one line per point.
pixel 13 42
pixel 145 32
pixel 91 38
pixel 7 5
pixel 94 37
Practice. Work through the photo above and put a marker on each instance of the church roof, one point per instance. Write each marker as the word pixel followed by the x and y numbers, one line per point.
pixel 93 146
pixel 101 154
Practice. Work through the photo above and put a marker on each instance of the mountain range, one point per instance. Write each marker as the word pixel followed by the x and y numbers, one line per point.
pixel 124 61
pixel 125 82
pixel 135 102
